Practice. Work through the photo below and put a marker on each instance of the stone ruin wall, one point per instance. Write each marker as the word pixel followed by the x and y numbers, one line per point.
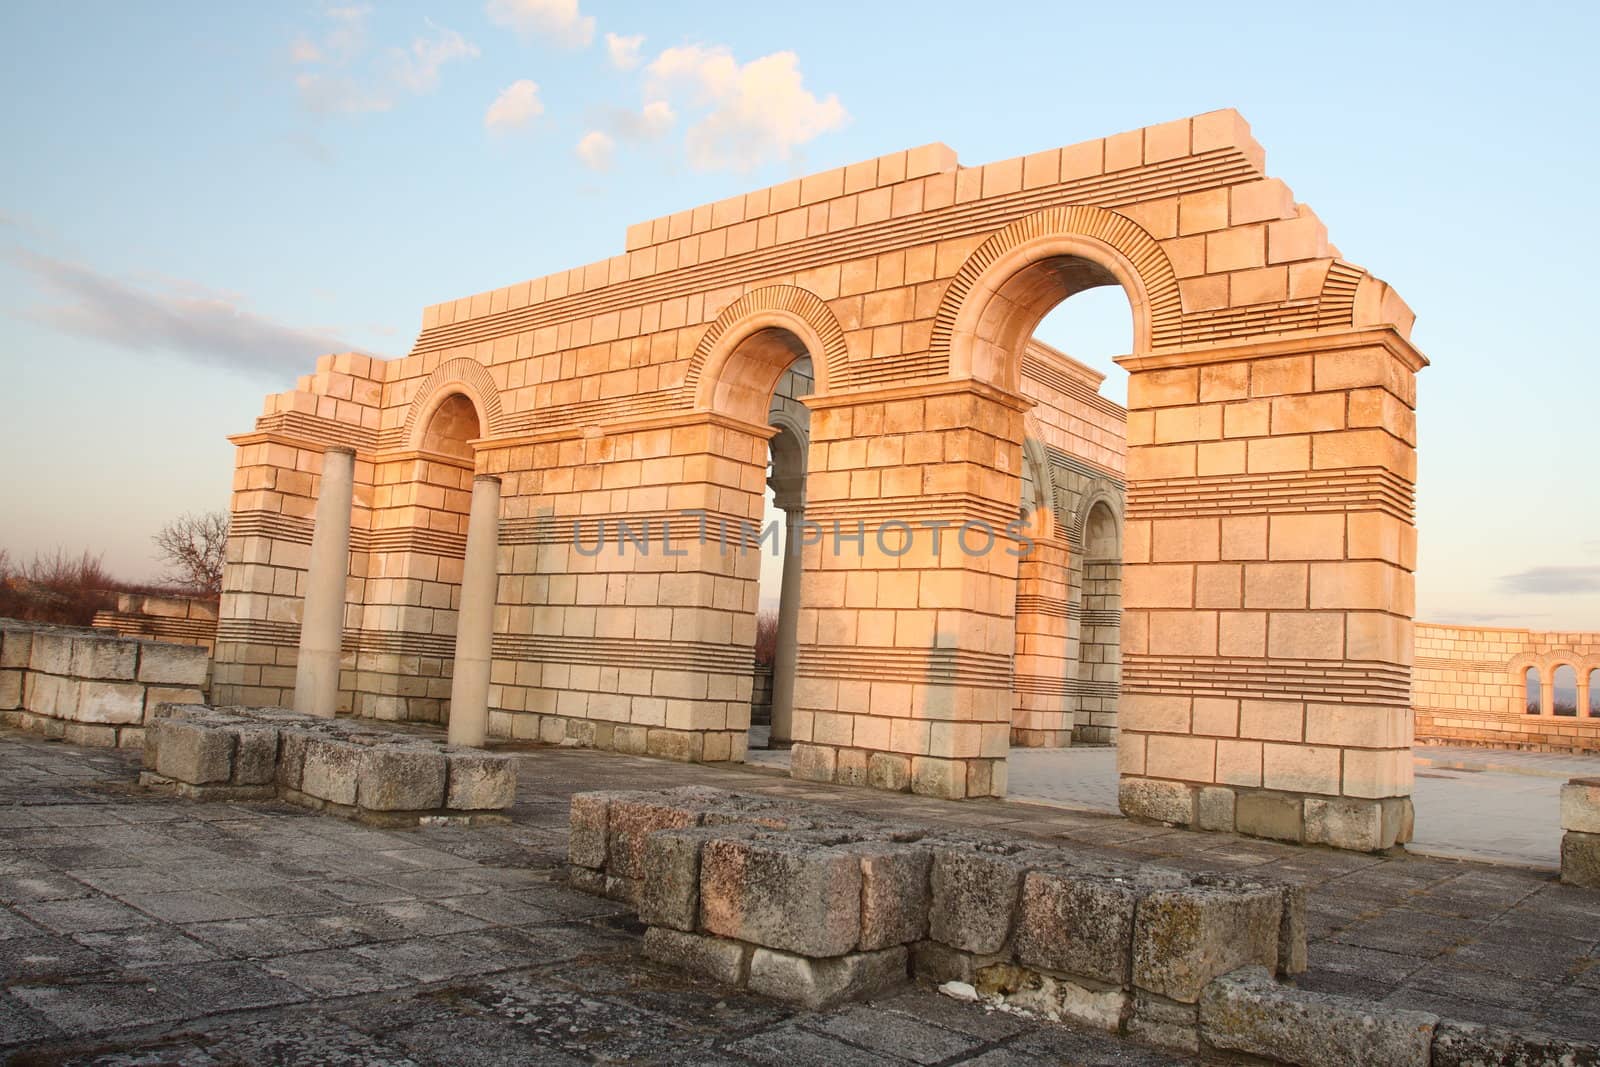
pixel 177 620
pixel 1267 538
pixel 1470 688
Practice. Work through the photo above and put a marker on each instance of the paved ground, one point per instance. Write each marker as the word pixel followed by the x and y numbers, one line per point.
pixel 141 930
pixel 1472 803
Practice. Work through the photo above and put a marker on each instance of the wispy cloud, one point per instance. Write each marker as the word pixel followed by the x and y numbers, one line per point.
pixel 557 20
pixel 596 150
pixel 516 106
pixel 751 113
pixel 624 51
pixel 340 76
pixel 1554 581
pixel 183 319
pixel 1486 618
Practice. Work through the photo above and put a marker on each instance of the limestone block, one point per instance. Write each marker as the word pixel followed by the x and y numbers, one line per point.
pixel 782 893
pixel 51 653
pixel 1345 822
pixel 292 760
pixel 255 757
pixel 330 770
pixel 975 893
pixel 50 695
pixel 1580 859
pixel 480 781
pixel 1183 938
pixel 886 770
pixel 1580 805
pixel 110 702
pixel 1161 801
pixel 111 658
pixel 1159 1021
pixel 1278 816
pixel 178 665
pixel 1292 931
pixel 586 819
pixel 10 690
pixel 630 819
pixel 90 734
pixel 192 752
pixel 669 893
pixel 1248 1012
pixel 587 880
pixel 16 647
pixel 399 778
pixel 1215 808
pixel 130 737
pixel 1470 1045
pixel 820 983
pixel 155 696
pixel 709 957
pixel 813 763
pixel 1057 999
pixel 1077 924
pixel 895 893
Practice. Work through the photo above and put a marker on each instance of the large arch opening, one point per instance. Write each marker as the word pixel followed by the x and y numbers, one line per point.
pixel 1564 691
pixel 1532 691
pixel 1593 709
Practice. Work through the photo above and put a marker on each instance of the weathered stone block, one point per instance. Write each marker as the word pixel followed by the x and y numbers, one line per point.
pixel 975 894
pixel 895 894
pixel 669 892
pixel 192 752
pixel 586 819
pixel 1292 931
pixel 1277 816
pixel 1580 805
pixel 813 763
pixel 51 653
pixel 1159 1021
pixel 630 739
pixel 1151 798
pixel 1077 924
pixel 1470 1045
pixel 1580 859
pixel 10 690
pixel 850 767
pixel 16 647
pixel 480 781
pixel 587 880
pixel 50 695
pixel 631 819
pixel 330 770
pixel 1399 819
pixel 155 696
pixel 940 963
pixel 255 756
pixel 393 778
pixel 1345 822
pixel 176 665
pixel 292 760
pixel 1214 809
pixel 820 983
pixel 781 893
pixel 681 745
pixel 89 734
pixel 934 777
pixel 709 957
pixel 1183 938
pixel 110 702
pixel 1248 1012
pixel 885 770
pixel 107 658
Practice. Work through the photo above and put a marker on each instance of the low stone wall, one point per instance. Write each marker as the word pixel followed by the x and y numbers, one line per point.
pixel 815 906
pixel 342 768
pixel 89 687
pixel 1359 824
pixel 178 620
pixel 1580 838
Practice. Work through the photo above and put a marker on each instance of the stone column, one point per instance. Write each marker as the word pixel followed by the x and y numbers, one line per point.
pixel 316 672
pixel 1583 697
pixel 783 665
pixel 480 580
pixel 1547 694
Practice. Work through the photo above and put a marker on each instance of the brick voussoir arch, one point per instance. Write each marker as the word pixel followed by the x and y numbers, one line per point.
pixel 467 377
pixel 1110 240
pixel 775 306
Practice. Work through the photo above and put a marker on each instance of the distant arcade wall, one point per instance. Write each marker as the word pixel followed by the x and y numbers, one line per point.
pixel 1243 590
pixel 1507 688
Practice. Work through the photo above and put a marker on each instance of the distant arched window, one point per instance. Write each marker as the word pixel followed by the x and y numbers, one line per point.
pixel 1594 693
pixel 1531 689
pixel 1564 691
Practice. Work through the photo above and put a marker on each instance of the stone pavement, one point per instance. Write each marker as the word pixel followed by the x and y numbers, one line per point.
pixel 138 929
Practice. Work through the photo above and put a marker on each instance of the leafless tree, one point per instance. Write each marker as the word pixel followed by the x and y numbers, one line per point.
pixel 195 548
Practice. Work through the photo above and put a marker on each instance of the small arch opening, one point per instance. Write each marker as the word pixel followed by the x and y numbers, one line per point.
pixel 1564 691
pixel 451 427
pixel 1594 693
pixel 1532 691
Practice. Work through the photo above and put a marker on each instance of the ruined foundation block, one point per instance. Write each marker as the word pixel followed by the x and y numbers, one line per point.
pixel 1470 1045
pixel 1159 801
pixel 1183 938
pixel 715 958
pixel 1580 844
pixel 782 894
pixel 820 983
pixel 1248 1012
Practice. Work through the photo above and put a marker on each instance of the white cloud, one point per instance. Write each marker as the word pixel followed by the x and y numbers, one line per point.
pixel 304 50
pixel 560 20
pixel 624 51
pixel 181 318
pixel 596 150
pixel 417 69
pixel 517 106
pixel 753 112
pixel 646 124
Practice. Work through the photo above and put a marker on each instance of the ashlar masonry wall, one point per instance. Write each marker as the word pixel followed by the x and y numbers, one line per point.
pixel 1269 426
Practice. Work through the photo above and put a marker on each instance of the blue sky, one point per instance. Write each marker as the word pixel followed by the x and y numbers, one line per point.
pixel 197 198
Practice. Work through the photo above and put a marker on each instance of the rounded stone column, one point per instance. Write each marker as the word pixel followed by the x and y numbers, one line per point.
pixel 480 582
pixel 316 672
pixel 787 651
